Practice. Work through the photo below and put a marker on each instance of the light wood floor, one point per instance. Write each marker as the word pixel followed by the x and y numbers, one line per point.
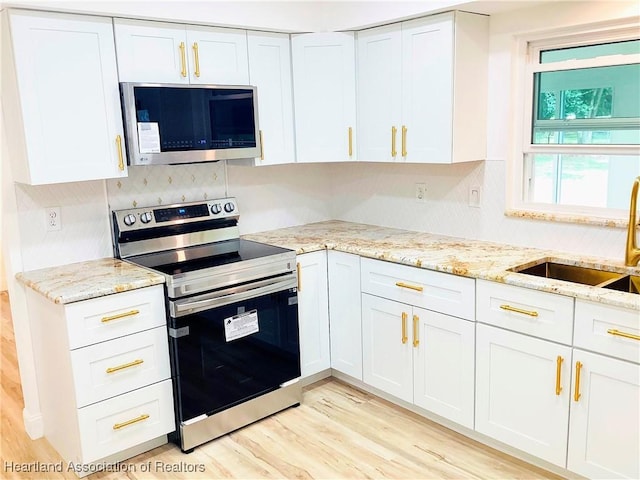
pixel 338 432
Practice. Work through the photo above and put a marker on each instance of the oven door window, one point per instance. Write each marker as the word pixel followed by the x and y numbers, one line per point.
pixel 213 374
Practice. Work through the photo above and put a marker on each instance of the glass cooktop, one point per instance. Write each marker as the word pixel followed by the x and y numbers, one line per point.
pixel 200 257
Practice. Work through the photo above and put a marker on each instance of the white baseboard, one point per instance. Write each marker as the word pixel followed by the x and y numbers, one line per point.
pixel 33 424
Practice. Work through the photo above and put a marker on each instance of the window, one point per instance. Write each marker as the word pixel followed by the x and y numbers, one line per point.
pixel 581 137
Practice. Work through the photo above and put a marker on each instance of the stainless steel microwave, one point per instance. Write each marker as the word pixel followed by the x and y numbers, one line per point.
pixel 174 123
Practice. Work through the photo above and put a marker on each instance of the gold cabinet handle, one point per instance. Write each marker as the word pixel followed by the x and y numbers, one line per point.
pixel 120 156
pixel 416 337
pixel 576 394
pixel 261 146
pixel 183 60
pixel 618 333
pixel 404 327
pixel 196 58
pixel 394 130
pixel 141 418
pixel 404 141
pixel 559 361
pixel 417 288
pixel 299 271
pixel 126 365
pixel 120 315
pixel 350 141
pixel 531 313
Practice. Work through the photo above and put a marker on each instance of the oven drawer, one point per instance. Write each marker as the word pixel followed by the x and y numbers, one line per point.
pixel 541 314
pixel 607 329
pixel 111 368
pixel 105 318
pixel 125 421
pixel 437 291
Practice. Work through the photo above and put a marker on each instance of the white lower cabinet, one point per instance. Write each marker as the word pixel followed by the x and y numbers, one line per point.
pixel 345 313
pixel 313 312
pixel 104 374
pixel 415 354
pixel 522 392
pixel 422 357
pixel 604 432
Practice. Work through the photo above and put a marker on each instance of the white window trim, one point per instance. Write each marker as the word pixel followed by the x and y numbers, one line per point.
pixel 521 101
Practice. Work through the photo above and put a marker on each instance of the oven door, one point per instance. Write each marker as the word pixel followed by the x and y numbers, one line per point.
pixel 231 346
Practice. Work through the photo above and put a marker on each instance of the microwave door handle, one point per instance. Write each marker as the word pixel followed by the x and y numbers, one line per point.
pixel 181 309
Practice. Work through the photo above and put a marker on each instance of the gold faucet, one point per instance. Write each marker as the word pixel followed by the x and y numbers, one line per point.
pixel 632 253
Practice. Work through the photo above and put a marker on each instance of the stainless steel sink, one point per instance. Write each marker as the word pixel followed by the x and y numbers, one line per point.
pixel 570 273
pixel 628 283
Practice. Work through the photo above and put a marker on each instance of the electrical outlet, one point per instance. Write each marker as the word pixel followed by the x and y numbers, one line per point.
pixel 475 196
pixel 52 219
pixel 421 192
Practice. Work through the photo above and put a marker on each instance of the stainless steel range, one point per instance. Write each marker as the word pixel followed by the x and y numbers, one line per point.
pixel 232 314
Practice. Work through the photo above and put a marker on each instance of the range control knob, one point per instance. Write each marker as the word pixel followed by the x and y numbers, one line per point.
pixel 216 208
pixel 229 207
pixel 129 219
pixel 146 217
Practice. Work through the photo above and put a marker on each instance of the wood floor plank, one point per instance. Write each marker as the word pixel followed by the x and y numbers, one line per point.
pixel 338 432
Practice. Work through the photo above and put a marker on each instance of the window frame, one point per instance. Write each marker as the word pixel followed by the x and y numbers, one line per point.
pixel 526 56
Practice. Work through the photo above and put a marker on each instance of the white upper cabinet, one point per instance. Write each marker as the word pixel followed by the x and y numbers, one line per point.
pixel 60 90
pixel 270 71
pixel 151 51
pixel 422 90
pixel 173 53
pixel 325 96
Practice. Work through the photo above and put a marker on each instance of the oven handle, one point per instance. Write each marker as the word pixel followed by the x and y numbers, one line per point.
pixel 180 308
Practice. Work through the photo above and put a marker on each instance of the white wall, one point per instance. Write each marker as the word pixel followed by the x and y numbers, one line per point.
pixel 383 194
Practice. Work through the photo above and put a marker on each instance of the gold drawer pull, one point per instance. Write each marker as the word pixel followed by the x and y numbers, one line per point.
pixel 404 327
pixel 126 365
pixel 350 141
pixel 120 315
pixel 416 340
pixel 576 394
pixel 404 141
pixel 183 60
pixel 196 58
pixel 261 146
pixel 417 288
pixel 531 313
pixel 618 333
pixel 393 141
pixel 559 361
pixel 141 418
pixel 120 157
pixel 299 271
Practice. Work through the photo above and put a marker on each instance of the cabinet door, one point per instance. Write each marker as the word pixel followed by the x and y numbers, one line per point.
pixel 68 90
pixel 604 432
pixel 379 93
pixel 386 350
pixel 427 89
pixel 270 71
pixel 516 398
pixel 151 51
pixel 218 56
pixel 345 314
pixel 443 365
pixel 313 313
pixel 324 89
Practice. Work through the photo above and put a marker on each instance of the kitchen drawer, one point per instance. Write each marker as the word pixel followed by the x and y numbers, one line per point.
pixel 541 314
pixel 594 321
pixel 436 291
pixel 125 421
pixel 112 316
pixel 110 368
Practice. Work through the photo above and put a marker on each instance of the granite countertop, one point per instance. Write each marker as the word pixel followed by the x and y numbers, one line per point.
pixel 90 279
pixel 469 258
